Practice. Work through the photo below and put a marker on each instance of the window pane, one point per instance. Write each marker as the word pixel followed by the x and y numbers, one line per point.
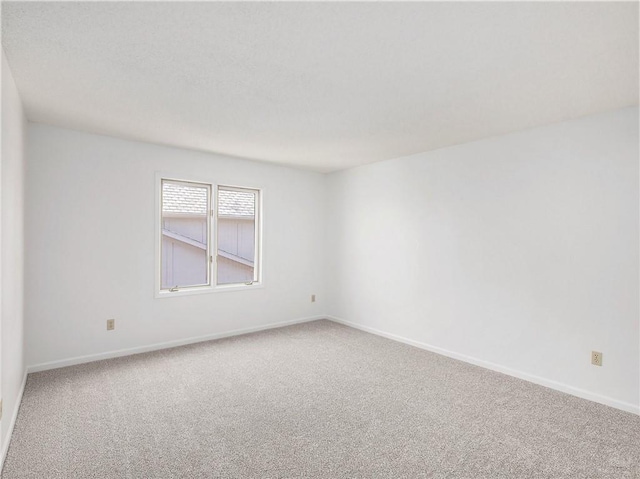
pixel 236 236
pixel 185 234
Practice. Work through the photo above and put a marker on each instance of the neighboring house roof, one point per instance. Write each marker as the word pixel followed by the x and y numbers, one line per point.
pixel 184 239
pixel 192 200
pixel 236 203
pixel 236 258
pixel 183 199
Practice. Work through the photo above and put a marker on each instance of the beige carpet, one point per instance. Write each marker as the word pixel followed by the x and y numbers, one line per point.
pixel 307 401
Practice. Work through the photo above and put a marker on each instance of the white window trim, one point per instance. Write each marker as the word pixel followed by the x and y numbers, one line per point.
pixel 212 287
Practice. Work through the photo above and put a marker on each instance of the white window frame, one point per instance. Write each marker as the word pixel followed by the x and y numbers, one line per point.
pixel 257 233
pixel 209 232
pixel 212 243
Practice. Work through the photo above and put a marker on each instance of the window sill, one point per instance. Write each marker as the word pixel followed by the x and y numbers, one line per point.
pixel 208 289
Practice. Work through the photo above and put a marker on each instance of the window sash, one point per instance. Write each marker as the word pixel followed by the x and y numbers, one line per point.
pixel 208 189
pixel 256 234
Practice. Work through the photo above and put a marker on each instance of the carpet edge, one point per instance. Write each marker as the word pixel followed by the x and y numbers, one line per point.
pixel 549 383
pixel 6 442
pixel 61 363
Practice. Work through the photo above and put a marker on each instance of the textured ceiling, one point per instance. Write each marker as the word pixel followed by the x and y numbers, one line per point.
pixel 319 85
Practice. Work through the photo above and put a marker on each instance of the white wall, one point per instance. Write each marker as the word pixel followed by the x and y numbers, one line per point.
pixel 520 250
pixel 11 250
pixel 90 240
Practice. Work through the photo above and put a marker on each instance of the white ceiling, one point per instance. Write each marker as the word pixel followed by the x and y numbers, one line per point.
pixel 324 86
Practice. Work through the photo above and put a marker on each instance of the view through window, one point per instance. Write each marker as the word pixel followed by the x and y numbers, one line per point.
pixel 236 260
pixel 185 234
pixel 187 238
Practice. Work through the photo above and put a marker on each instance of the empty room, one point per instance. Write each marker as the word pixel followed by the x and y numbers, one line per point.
pixel 320 240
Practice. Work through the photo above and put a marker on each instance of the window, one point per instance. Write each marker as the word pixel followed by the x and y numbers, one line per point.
pixel 192 228
pixel 185 234
pixel 237 235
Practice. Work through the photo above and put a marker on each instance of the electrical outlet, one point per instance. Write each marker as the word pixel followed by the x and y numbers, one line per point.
pixel 111 324
pixel 596 358
pixel 313 298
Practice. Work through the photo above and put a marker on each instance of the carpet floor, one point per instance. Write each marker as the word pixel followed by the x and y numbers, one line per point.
pixel 315 400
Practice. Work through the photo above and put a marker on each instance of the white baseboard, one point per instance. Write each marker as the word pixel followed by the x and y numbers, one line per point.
pixel 165 345
pixel 14 415
pixel 581 393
